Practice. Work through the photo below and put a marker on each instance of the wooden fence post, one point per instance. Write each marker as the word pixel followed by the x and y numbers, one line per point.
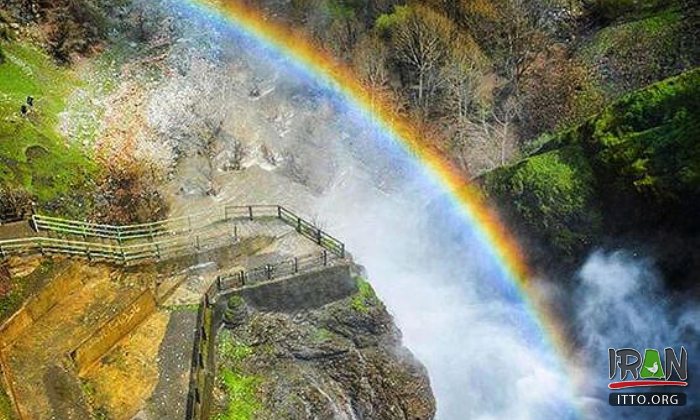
pixel 299 224
pixel 296 265
pixel 250 212
pixel 325 258
pixel 279 212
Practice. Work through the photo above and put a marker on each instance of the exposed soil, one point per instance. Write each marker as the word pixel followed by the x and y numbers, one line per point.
pixel 125 377
pixel 38 356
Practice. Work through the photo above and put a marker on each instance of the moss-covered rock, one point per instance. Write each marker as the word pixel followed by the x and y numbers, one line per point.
pixel 341 359
pixel 640 43
pixel 554 194
pixel 633 170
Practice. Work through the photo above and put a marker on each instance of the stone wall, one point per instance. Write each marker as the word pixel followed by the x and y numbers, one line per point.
pixel 305 291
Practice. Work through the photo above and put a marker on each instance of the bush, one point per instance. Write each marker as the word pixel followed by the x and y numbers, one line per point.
pixel 129 194
pixel 14 203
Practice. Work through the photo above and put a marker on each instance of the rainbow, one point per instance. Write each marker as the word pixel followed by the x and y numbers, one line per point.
pixel 471 203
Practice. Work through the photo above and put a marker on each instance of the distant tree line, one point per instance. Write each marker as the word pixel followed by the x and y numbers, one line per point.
pixel 485 77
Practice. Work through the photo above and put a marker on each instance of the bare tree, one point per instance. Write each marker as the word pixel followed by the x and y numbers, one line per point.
pixel 422 42
pixel 371 62
pixel 514 32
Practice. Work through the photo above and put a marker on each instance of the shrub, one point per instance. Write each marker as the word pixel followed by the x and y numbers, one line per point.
pixel 14 203
pixel 128 193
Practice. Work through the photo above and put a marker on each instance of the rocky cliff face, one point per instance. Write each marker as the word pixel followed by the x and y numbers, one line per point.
pixel 340 360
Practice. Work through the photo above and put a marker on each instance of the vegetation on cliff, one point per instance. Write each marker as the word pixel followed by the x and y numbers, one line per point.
pixel 339 358
pixel 632 168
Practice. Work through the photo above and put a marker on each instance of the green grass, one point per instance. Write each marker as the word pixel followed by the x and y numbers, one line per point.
pixel 241 391
pixel 365 296
pixel 32 152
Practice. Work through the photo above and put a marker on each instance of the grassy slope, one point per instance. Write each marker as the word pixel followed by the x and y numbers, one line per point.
pixel 636 165
pixel 32 153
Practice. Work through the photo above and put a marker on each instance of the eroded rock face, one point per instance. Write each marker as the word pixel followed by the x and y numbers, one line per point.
pixel 343 360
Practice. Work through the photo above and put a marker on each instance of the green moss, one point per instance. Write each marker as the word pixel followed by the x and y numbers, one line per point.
pixel 241 389
pixel 631 165
pixel 365 296
pixel 194 307
pixel 553 193
pixel 235 302
pixel 321 335
pixel 231 350
pixel 241 392
pixel 648 140
pixel 613 9
pixel 22 288
pixel 32 152
pixel 629 55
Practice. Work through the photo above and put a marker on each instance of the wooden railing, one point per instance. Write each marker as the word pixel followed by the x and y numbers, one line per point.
pixel 152 240
pixel 96 251
pixel 173 226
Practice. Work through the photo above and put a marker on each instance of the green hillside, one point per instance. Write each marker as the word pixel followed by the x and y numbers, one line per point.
pixel 33 155
pixel 634 167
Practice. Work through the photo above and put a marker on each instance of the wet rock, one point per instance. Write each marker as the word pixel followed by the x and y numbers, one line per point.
pixel 342 360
